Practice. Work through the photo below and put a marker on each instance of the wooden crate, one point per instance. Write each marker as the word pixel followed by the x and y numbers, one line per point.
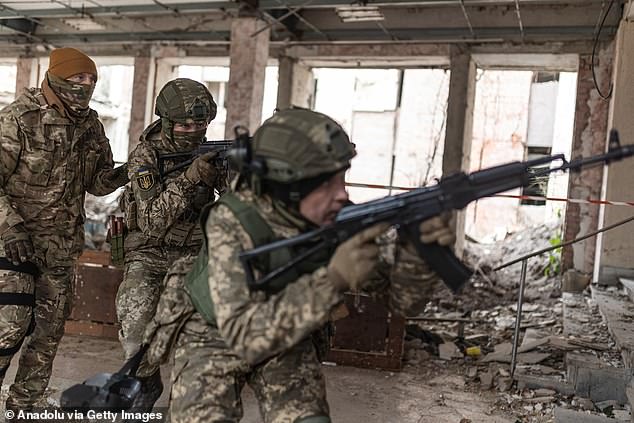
pixel 95 289
pixel 370 336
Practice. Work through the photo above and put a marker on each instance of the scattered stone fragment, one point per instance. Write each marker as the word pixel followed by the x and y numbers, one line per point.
pixel 541 399
pixel 542 392
pixel 504 384
pixel 448 350
pixel 621 414
pixel 486 380
pixel 584 403
pixel 472 372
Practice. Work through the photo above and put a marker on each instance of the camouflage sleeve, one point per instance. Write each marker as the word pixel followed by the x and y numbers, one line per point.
pixel 254 326
pixel 105 179
pixel 10 148
pixel 158 207
pixel 403 281
pixel 412 283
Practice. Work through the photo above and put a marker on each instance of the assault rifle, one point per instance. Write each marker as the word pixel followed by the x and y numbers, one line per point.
pixel 222 147
pixel 407 210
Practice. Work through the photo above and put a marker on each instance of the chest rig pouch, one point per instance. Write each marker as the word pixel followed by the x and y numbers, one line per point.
pixel 260 233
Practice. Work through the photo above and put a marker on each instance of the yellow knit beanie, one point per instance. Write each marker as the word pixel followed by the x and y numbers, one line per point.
pixel 67 61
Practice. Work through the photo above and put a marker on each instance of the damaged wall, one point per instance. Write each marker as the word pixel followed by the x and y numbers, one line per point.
pixel 590 128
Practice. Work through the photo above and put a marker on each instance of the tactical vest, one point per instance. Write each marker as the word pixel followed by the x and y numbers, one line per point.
pixel 260 232
pixel 184 233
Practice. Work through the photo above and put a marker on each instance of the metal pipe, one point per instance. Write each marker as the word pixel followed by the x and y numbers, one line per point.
pixel 466 16
pixel 519 17
pixel 518 318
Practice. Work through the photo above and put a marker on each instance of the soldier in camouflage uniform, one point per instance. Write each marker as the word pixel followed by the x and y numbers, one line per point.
pixel 162 211
pixel 52 150
pixel 225 334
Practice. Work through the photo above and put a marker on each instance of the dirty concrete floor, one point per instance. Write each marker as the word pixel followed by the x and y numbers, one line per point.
pixel 355 395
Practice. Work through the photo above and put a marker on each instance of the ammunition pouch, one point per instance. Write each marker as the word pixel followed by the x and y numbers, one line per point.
pixel 116 237
pixel 127 205
pixel 184 234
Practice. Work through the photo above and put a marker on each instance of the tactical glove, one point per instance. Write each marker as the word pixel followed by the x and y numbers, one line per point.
pixel 203 170
pixel 354 260
pixel 17 244
pixel 437 230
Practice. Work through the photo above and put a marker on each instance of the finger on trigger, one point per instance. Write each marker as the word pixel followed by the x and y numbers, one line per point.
pixel 372 232
pixel 447 239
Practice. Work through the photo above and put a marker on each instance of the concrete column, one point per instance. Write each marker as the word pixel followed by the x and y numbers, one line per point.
pixel 245 92
pixel 590 127
pixel 616 247
pixel 26 74
pixel 296 84
pixel 140 88
pixel 459 125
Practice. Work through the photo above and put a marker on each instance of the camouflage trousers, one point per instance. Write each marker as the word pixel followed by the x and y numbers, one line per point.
pixel 137 297
pixel 207 380
pixel 53 302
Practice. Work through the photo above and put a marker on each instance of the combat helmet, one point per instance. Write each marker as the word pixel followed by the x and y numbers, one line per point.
pixel 297 149
pixel 182 99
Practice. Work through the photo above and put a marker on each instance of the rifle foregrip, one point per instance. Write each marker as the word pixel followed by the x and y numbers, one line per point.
pixel 443 261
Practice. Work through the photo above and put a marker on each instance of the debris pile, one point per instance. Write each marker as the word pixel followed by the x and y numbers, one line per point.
pixel 97 211
pixel 471 334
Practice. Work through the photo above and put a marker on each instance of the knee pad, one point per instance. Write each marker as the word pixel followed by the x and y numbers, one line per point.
pixel 313 419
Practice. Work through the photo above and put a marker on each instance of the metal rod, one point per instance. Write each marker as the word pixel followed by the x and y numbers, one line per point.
pixel 519 17
pixel 466 16
pixel 564 244
pixel 518 318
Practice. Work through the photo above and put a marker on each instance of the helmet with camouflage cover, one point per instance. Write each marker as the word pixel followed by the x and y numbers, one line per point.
pixel 296 150
pixel 182 101
pixel 298 144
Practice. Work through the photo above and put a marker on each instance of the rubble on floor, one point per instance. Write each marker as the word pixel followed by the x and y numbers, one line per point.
pixel 570 364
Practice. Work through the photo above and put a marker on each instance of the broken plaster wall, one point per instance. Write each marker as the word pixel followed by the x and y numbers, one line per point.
pixel 511 113
pixel 617 246
pixel 590 127
pixel 499 135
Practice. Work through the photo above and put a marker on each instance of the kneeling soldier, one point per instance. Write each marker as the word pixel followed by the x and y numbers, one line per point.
pixel 227 335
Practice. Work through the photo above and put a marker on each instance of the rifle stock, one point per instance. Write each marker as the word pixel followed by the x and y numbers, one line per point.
pixel 408 209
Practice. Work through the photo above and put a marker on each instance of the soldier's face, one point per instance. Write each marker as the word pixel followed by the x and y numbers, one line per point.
pixel 83 78
pixel 323 203
pixel 191 126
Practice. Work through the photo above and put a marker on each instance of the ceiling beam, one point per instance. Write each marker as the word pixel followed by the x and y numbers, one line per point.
pixel 207 6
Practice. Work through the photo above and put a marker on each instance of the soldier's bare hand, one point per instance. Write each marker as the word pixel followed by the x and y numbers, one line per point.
pixel 17 244
pixel 202 169
pixel 437 230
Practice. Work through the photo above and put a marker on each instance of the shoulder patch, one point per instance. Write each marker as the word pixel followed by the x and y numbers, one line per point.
pixel 144 179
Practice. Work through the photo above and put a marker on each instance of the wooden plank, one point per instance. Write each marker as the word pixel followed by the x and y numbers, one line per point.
pixel 95 257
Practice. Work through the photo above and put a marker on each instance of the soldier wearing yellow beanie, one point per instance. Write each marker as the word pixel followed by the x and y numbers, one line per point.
pixel 70 82
pixel 53 150
pixel 66 62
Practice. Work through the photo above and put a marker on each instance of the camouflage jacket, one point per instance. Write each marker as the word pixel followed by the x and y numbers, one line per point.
pixel 258 326
pixel 47 163
pixel 166 209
